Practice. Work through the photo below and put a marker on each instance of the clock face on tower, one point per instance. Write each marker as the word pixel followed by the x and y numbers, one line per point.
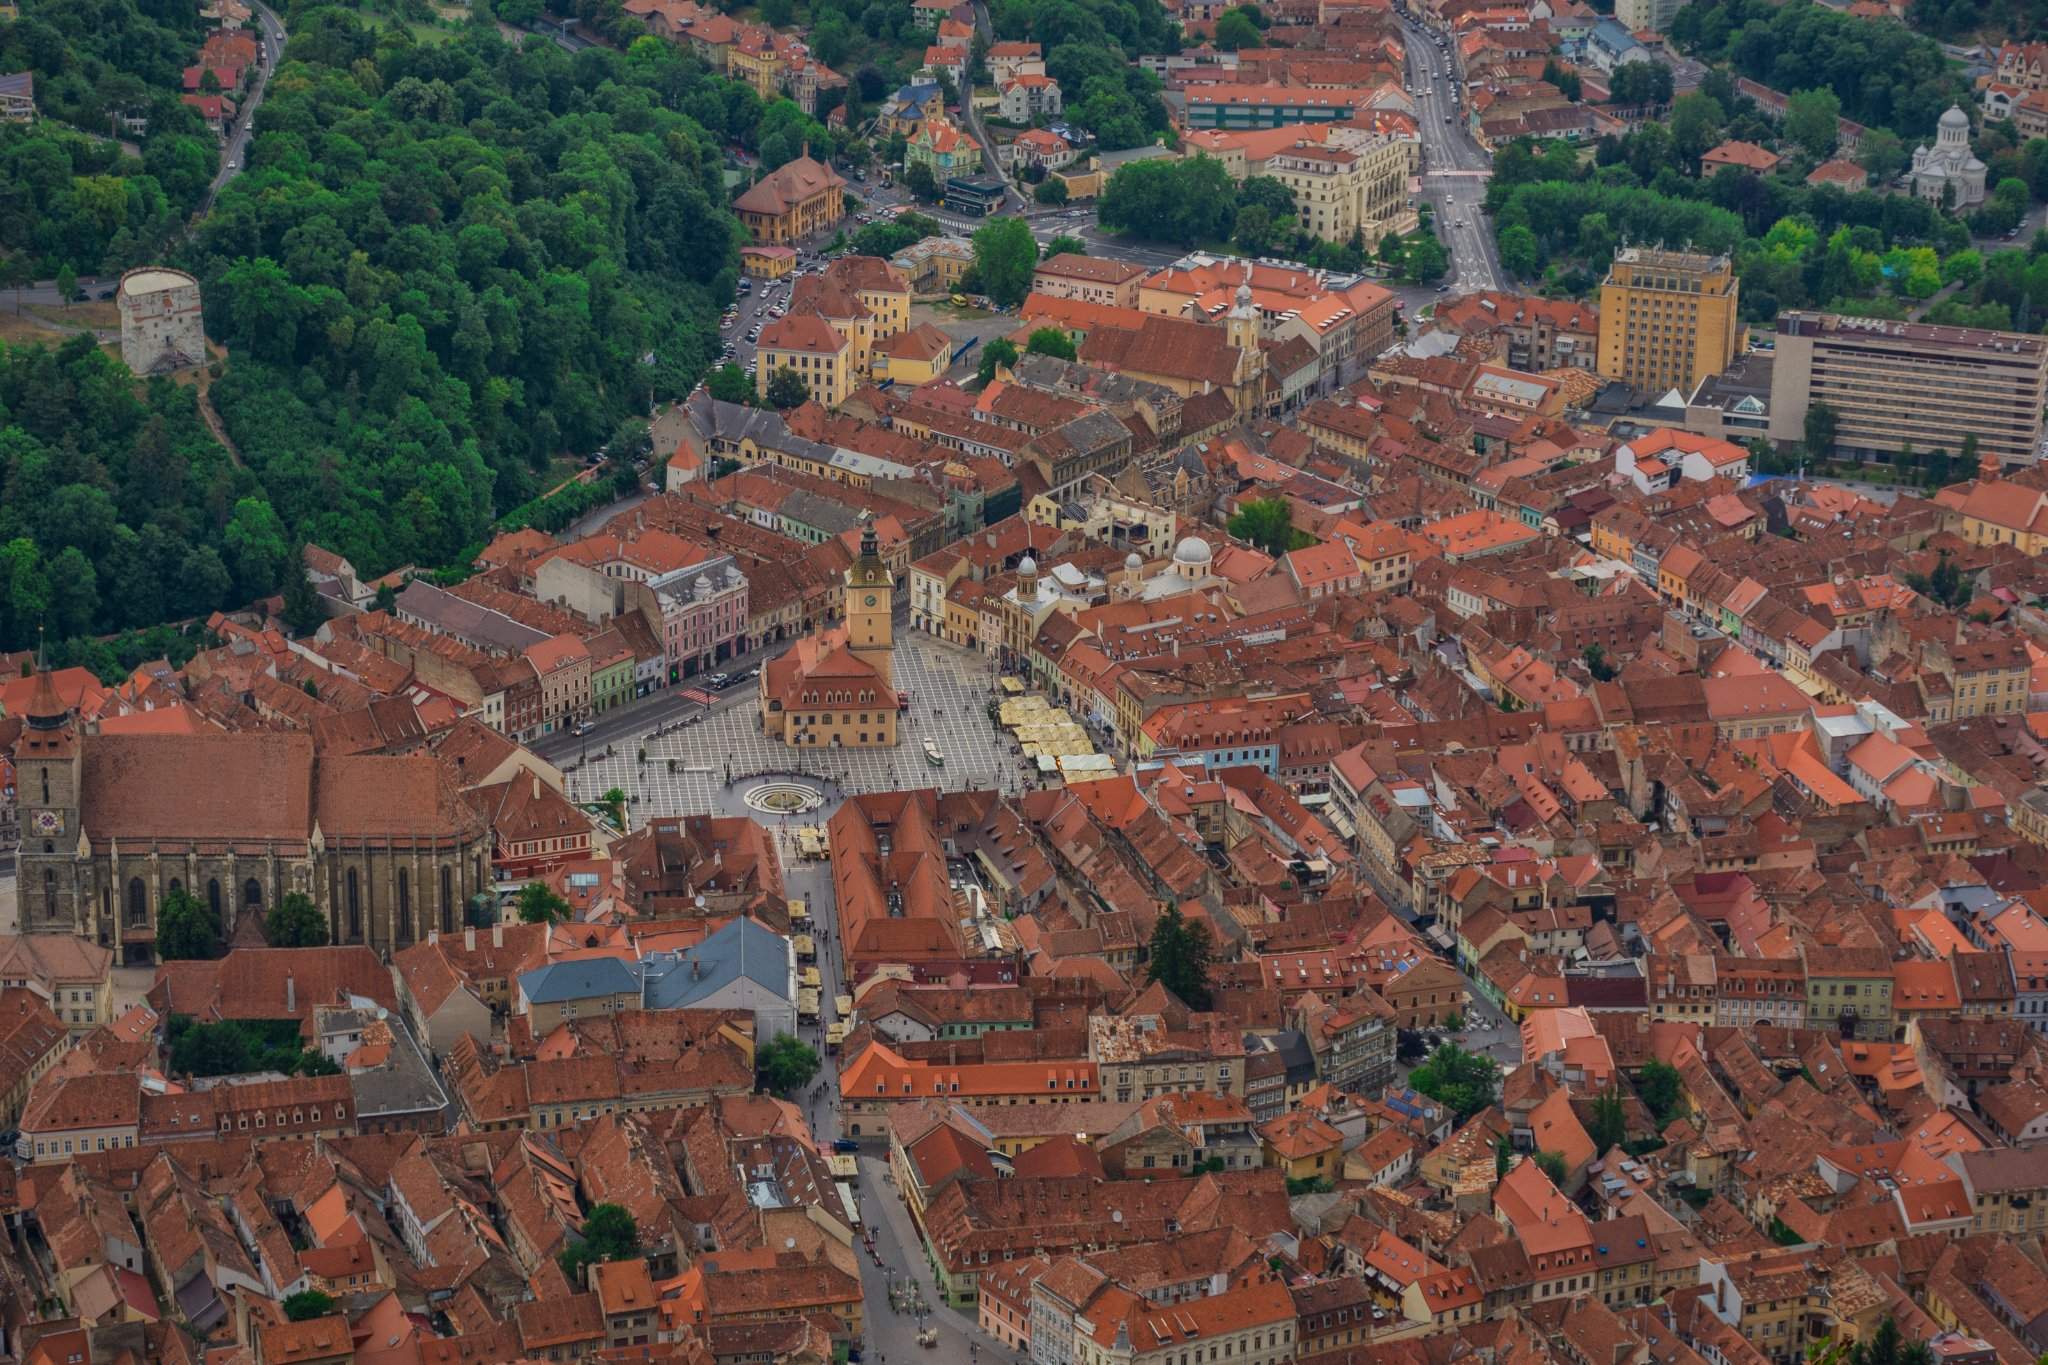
pixel 48 822
pixel 871 599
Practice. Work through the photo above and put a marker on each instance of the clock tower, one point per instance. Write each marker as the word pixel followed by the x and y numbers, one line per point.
pixel 871 605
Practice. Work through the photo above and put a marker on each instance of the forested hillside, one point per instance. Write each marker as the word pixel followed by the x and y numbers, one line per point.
pixel 76 198
pixel 448 263
pixel 446 266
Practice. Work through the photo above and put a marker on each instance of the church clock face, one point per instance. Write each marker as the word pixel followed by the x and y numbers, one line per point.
pixel 48 822
pixel 871 599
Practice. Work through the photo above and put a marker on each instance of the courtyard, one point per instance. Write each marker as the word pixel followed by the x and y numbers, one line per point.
pixel 688 766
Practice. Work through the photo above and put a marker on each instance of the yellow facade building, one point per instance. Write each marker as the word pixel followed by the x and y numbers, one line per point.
pixel 792 202
pixel 809 346
pixel 1668 319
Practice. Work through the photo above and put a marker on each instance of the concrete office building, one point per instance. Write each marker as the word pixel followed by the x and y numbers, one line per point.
pixel 1668 319
pixel 1892 384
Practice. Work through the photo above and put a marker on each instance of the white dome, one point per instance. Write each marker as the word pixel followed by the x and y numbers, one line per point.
pixel 1134 561
pixel 1193 550
pixel 1026 567
pixel 1955 118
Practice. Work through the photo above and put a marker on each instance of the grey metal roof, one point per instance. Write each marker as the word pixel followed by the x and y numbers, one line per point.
pixel 440 610
pixel 742 948
pixel 578 980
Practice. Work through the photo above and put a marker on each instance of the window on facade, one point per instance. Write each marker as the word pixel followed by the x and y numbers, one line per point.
pixel 355 909
pixel 138 903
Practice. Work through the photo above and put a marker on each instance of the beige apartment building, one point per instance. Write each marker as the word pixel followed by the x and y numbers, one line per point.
pixel 1090 279
pixel 1892 384
pixel 1339 191
pixel 1668 319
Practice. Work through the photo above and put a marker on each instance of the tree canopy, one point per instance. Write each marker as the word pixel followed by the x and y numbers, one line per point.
pixel 1466 1081
pixel 538 904
pixel 1179 958
pixel 1005 255
pixel 449 263
pixel 786 1063
pixel 294 922
pixel 186 927
pixel 609 1233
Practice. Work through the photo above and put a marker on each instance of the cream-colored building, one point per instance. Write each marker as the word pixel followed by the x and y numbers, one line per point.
pixel 74 975
pixel 1669 319
pixel 1339 191
pixel 1893 384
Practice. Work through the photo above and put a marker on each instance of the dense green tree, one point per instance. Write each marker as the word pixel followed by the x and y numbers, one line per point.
pixel 1235 30
pixel 1696 123
pixel 609 1233
pixel 294 922
pixel 1266 522
pixel 1179 957
pixel 1050 191
pixel 307 1304
pixel 1518 251
pixel 1465 1081
pixel 1810 119
pixel 186 927
pixel 1005 256
pixel 1186 201
pixel 999 351
pixel 1051 341
pixel 919 180
pixel 786 389
pixel 1885 75
pixel 786 1064
pixel 1660 1088
pixel 1552 1165
pixel 1610 1121
pixel 729 384
pixel 1821 425
pixel 538 904
pixel 1063 245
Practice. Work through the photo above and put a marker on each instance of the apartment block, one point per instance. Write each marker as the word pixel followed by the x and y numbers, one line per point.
pixel 1894 384
pixel 1668 319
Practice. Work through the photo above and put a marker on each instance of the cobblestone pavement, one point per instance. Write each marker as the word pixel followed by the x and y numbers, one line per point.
pixel 948 699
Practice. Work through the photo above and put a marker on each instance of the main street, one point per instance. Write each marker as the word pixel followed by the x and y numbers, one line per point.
pixel 235 154
pixel 1454 167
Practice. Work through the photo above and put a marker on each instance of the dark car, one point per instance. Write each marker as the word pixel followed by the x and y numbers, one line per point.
pixel 845 1145
pixel 105 294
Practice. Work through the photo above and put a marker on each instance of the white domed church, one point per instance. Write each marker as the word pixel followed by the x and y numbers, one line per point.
pixel 1948 172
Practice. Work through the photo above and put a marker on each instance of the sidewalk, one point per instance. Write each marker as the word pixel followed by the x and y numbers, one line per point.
pixel 902 1250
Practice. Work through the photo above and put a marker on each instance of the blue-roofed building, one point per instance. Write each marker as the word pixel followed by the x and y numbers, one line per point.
pixel 1611 45
pixel 744 966
pixel 577 989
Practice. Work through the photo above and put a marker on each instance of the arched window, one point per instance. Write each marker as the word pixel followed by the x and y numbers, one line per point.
pixel 177 887
pixel 138 903
pixel 447 899
pixel 355 909
pixel 49 891
pixel 404 907
pixel 213 897
pixel 252 894
pixel 46 786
